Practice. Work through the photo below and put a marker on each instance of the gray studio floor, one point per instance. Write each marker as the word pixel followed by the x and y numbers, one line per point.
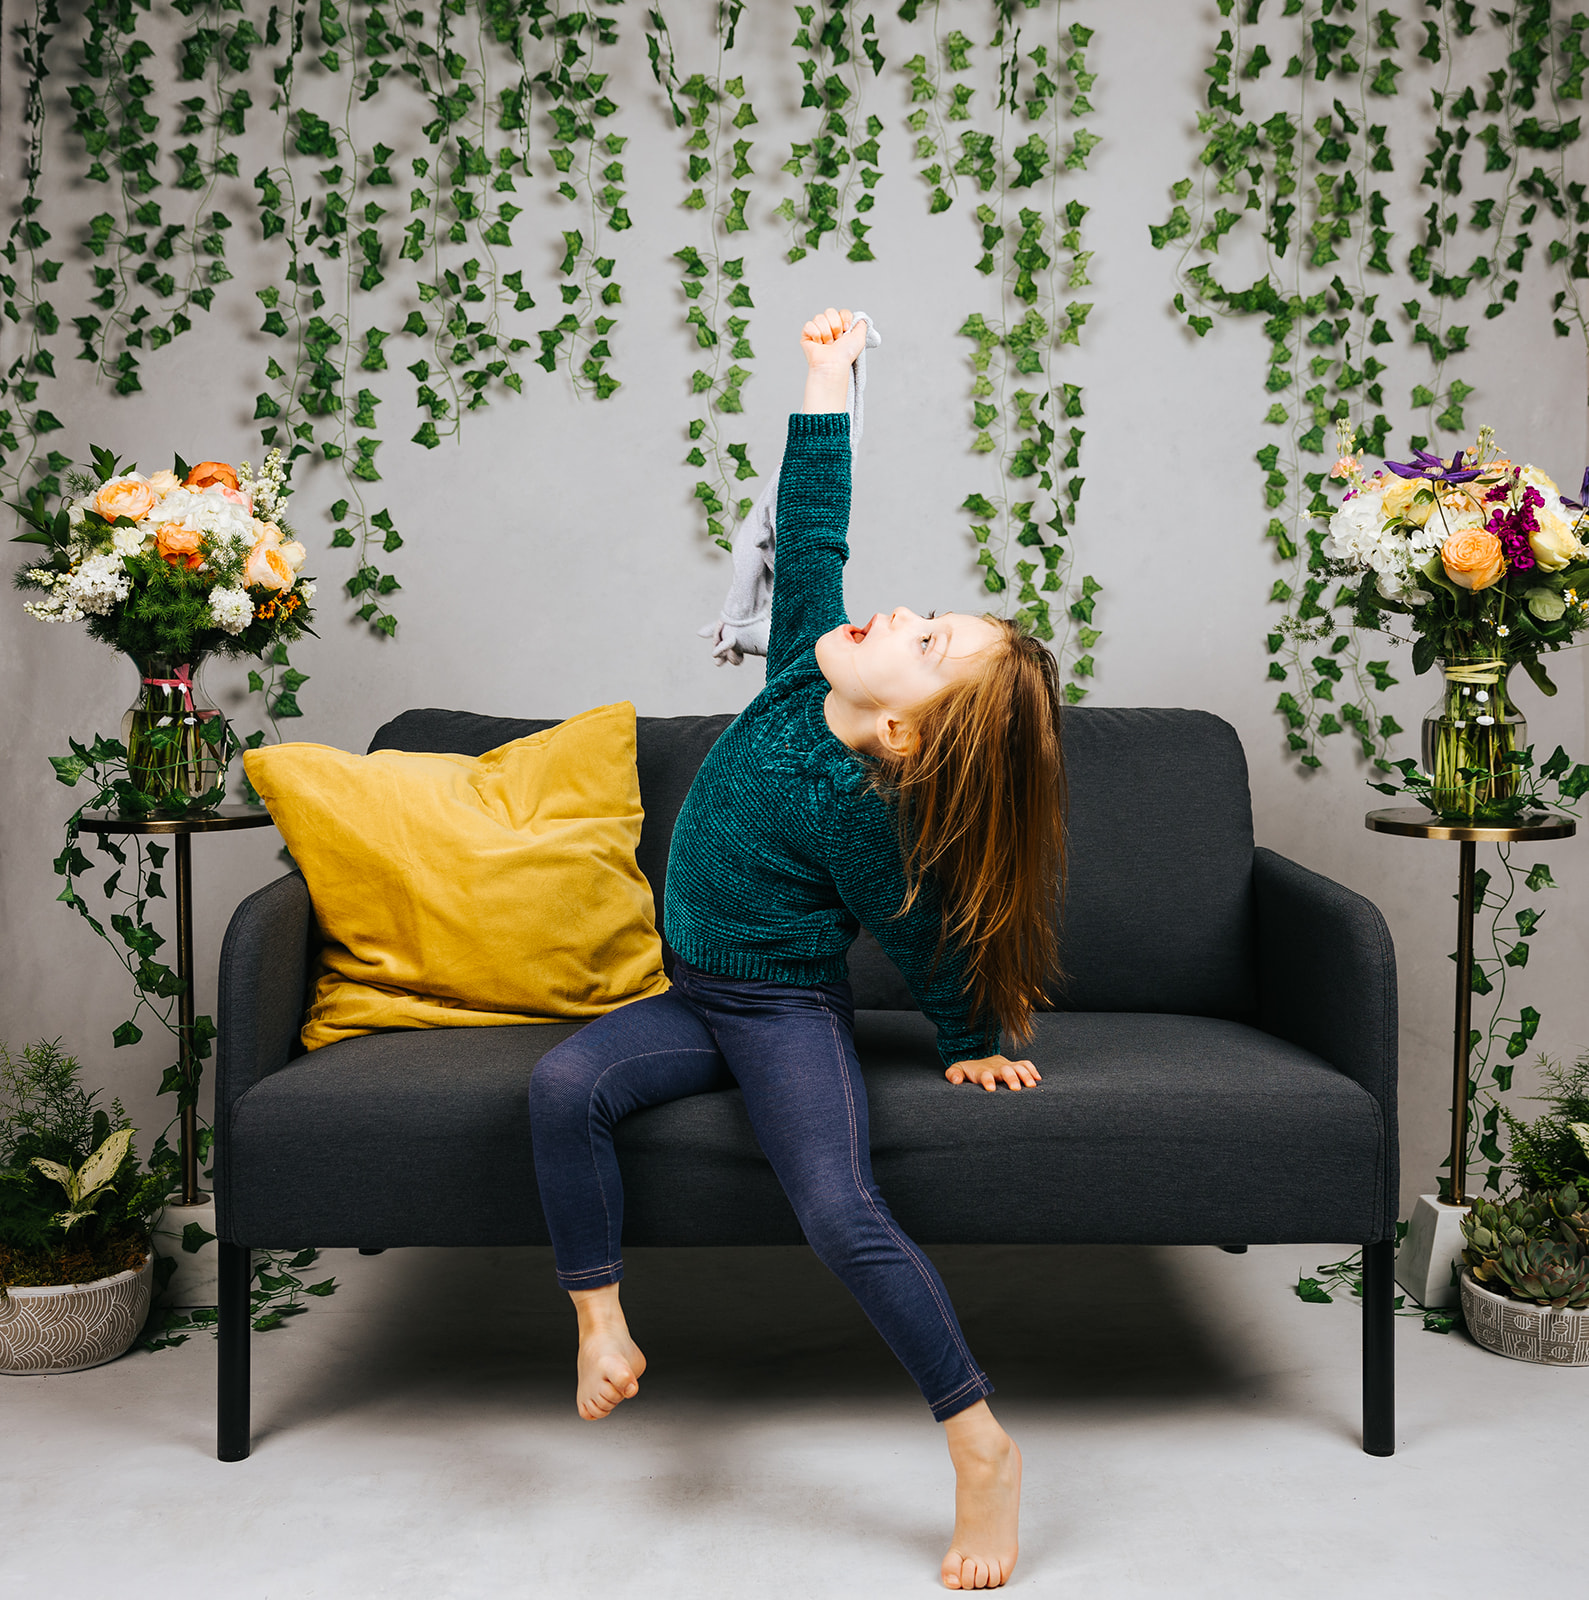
pixel 1189 1429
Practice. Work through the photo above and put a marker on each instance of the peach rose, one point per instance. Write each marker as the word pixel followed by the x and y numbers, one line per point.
pixel 164 482
pixel 266 568
pixel 210 472
pixel 182 547
pixel 293 554
pixel 1401 501
pixel 124 497
pixel 1473 559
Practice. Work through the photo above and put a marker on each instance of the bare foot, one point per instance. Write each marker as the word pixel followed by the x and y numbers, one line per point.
pixel 987 1501
pixel 610 1362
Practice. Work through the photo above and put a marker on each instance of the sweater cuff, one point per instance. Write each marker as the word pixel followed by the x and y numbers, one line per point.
pixel 968 1047
pixel 819 425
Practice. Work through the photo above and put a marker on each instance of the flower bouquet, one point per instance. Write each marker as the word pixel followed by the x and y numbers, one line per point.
pixel 171 568
pixel 1486 558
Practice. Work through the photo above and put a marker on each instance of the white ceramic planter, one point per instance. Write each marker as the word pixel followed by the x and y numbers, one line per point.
pixel 67 1327
pixel 195 1282
pixel 1431 1255
pixel 1525 1332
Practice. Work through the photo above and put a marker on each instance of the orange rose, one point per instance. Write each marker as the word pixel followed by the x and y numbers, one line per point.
pixel 266 568
pixel 124 497
pixel 178 545
pixel 1473 559
pixel 210 472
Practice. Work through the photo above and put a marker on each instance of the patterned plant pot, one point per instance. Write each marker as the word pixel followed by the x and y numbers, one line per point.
pixel 67 1327
pixel 1523 1331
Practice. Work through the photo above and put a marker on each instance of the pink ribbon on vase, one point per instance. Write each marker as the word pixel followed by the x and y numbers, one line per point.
pixel 183 681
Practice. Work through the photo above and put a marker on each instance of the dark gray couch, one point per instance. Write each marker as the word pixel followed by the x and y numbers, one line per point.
pixel 1219 1067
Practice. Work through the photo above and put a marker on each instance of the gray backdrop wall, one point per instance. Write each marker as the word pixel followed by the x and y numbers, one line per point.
pixel 554 559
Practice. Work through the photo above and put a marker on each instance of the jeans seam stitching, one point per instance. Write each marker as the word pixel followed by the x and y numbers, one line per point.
pixel 888 1225
pixel 590 1103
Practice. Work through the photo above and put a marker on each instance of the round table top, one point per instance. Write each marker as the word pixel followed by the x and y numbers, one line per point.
pixel 1414 822
pixel 224 819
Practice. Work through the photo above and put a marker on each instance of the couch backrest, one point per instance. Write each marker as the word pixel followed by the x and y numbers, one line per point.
pixel 1158 910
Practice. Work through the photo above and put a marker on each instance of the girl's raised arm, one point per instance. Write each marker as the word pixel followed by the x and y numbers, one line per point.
pixel 814 494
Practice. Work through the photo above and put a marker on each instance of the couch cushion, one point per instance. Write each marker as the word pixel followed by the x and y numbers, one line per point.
pixel 1158 915
pixel 1147 1128
pixel 470 891
pixel 668 750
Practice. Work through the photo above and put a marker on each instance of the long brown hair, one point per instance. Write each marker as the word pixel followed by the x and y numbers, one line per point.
pixel 980 805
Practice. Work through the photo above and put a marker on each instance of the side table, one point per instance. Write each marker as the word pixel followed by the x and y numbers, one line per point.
pixel 194 1283
pixel 1434 1232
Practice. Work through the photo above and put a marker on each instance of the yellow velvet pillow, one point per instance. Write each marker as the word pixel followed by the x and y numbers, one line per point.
pixel 463 891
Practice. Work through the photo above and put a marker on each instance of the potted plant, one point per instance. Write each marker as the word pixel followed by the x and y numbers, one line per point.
pixel 1525 1287
pixel 76 1263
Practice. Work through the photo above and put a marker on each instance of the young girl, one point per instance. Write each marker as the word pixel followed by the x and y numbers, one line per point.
pixel 906 777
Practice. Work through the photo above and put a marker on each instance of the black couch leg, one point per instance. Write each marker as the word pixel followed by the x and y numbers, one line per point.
pixel 231 1411
pixel 1379 1348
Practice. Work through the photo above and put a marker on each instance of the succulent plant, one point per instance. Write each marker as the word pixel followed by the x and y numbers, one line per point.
pixel 1535 1247
pixel 1549 1271
pixel 1571 1209
pixel 1489 1227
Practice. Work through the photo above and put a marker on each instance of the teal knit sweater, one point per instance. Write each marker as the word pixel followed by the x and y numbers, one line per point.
pixel 782 852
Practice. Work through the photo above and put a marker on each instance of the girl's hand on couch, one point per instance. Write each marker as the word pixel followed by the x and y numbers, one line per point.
pixel 990 1071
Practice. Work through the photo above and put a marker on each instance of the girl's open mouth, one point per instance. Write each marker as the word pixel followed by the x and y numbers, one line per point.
pixel 857 634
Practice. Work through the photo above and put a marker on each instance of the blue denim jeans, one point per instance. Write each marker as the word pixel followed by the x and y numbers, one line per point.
pixel 791 1050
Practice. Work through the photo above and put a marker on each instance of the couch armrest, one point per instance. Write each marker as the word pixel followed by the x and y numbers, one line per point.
pixel 263 979
pixel 1327 982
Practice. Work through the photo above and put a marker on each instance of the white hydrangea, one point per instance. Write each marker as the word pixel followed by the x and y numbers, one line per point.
pixel 304 590
pixel 127 541
pixel 1357 534
pixel 100 583
pixel 230 609
pixel 205 511
pixel 1359 538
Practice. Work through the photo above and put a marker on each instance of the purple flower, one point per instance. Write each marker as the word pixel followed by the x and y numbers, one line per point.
pixel 1519 553
pixel 1426 464
pixel 1583 494
pixel 1512 528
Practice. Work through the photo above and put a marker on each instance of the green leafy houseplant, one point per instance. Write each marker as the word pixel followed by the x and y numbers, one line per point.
pixel 1552 1152
pixel 57 1146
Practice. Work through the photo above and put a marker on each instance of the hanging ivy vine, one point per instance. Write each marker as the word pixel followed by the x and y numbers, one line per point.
pixel 27 283
pixel 1023 414
pixel 832 161
pixel 713 286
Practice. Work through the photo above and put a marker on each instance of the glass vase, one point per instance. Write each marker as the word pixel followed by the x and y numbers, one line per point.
pixel 174 734
pixel 1469 735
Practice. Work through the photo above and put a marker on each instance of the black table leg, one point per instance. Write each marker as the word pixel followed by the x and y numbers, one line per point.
pixel 234 1328
pixel 1379 1348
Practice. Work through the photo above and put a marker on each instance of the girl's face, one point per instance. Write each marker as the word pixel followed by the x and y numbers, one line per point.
pixel 898 660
